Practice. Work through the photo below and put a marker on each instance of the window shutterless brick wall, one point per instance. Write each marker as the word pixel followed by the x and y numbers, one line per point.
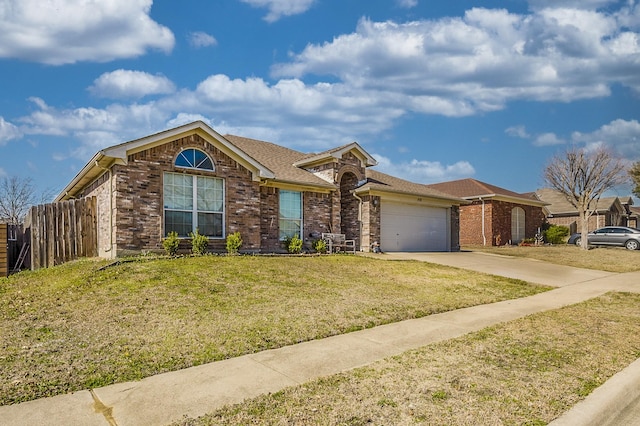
pixel 497 222
pixel 137 202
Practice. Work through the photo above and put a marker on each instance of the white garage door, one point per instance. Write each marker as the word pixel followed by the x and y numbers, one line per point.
pixel 405 227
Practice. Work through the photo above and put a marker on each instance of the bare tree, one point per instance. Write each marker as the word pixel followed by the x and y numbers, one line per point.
pixel 582 177
pixel 634 172
pixel 16 197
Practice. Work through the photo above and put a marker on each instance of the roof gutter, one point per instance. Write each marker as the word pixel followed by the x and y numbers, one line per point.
pixel 93 163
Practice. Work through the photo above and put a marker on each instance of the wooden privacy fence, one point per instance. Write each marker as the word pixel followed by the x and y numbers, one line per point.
pixel 4 251
pixel 62 231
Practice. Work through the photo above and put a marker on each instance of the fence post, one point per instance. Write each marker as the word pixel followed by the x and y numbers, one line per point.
pixel 4 251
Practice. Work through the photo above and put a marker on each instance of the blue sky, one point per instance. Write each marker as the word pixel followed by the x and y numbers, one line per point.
pixel 434 90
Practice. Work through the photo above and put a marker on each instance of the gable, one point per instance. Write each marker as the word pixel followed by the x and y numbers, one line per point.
pixel 353 149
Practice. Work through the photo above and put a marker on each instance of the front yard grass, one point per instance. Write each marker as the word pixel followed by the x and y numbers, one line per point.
pixel 525 372
pixel 85 324
pixel 611 259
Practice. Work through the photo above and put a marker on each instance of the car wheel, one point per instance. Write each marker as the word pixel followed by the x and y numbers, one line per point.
pixel 578 241
pixel 632 245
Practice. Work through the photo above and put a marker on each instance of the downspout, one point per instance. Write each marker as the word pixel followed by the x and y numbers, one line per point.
pixel 484 236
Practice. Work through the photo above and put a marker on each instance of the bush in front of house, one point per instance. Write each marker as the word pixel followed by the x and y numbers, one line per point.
pixel 234 242
pixel 293 244
pixel 199 243
pixel 171 243
pixel 320 246
pixel 556 234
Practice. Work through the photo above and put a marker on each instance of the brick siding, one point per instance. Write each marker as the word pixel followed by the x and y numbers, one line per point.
pixel 497 222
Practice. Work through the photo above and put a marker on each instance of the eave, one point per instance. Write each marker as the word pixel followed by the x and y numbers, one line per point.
pixel 507 198
pixel 418 197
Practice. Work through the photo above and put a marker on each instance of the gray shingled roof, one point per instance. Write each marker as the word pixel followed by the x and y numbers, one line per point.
pixel 383 182
pixel 278 159
pixel 473 188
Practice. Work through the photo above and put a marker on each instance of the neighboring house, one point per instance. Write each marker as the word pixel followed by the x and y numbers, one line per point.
pixel 191 177
pixel 634 217
pixel 608 211
pixel 495 216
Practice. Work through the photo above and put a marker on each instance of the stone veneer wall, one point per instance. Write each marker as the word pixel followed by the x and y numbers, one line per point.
pixel 138 198
pixel 370 221
pixel 349 208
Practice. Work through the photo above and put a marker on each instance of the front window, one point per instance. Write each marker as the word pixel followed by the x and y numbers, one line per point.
pixel 193 202
pixel 290 214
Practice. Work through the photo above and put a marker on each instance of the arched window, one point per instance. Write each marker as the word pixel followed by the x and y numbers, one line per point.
pixel 517 225
pixel 194 159
pixel 193 202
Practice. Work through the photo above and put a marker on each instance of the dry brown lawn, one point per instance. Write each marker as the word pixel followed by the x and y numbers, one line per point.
pixel 524 372
pixel 81 325
pixel 611 259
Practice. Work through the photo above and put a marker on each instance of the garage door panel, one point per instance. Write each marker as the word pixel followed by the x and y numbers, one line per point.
pixel 413 228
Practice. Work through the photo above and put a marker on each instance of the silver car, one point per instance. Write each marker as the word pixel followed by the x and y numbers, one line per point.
pixel 611 236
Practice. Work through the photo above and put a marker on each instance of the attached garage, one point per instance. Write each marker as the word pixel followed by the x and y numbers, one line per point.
pixel 409 227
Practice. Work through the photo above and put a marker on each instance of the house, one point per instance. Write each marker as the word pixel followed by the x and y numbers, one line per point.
pixel 191 177
pixel 608 211
pixel 495 216
pixel 634 217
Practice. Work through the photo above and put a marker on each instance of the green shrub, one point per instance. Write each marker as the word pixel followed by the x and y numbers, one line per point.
pixel 234 242
pixel 293 244
pixel 199 243
pixel 171 243
pixel 320 246
pixel 556 234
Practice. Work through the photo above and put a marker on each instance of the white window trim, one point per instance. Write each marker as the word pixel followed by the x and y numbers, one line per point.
pixel 301 212
pixel 194 211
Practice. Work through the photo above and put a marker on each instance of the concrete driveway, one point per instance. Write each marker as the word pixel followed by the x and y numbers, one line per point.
pixel 529 270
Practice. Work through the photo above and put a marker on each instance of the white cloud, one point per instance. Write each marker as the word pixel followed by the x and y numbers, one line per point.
pixel 481 61
pixel 381 72
pixel 622 136
pixel 123 84
pixel 423 171
pixel 67 31
pixel 8 131
pixel 575 4
pixel 548 139
pixel 518 132
pixel 279 8
pixel 317 110
pixel 200 39
pixel 408 4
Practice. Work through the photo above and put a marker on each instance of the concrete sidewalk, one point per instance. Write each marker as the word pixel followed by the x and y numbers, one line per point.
pixel 165 398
